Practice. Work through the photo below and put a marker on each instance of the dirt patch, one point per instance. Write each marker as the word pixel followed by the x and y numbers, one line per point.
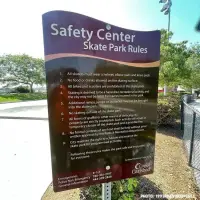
pixel 172 175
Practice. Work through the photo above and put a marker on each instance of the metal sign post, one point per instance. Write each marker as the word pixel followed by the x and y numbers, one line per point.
pixel 106 191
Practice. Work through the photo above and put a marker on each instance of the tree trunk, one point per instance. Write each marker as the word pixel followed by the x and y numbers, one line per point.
pixel 193 90
pixel 31 88
pixel 165 90
pixel 175 88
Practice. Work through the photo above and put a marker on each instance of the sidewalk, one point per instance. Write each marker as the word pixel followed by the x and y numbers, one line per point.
pixel 23 103
pixel 25 109
pixel 25 150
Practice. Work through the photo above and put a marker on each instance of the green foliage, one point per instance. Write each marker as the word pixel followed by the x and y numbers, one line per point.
pixel 128 189
pixel 22 89
pixel 173 58
pixel 193 66
pixel 121 190
pixel 22 97
pixel 180 64
pixel 168 110
pixel 168 73
pixel 21 69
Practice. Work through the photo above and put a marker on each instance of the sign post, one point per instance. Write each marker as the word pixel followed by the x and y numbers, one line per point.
pixel 106 191
pixel 102 86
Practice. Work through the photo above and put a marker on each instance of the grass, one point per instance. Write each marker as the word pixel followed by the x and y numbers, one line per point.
pixel 22 97
pixel 161 94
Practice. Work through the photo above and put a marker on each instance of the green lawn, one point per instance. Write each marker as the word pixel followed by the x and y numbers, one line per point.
pixel 22 97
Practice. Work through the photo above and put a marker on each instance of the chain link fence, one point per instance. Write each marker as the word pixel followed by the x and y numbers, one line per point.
pixel 190 124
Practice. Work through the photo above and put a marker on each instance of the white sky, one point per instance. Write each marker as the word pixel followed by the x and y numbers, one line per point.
pixel 21 20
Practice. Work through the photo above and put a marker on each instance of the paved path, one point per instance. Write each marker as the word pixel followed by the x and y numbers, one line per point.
pixel 24 152
pixel 25 109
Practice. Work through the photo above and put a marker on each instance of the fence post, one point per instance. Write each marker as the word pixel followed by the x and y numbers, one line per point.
pixel 106 191
pixel 192 138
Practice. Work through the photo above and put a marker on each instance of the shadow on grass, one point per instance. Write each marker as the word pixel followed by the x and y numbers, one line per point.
pixel 173 130
pixel 148 188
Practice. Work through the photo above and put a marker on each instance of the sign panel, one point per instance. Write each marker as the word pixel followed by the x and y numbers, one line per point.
pixel 102 83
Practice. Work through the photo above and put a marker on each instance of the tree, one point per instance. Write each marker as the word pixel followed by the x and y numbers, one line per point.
pixel 173 58
pixel 21 70
pixel 193 66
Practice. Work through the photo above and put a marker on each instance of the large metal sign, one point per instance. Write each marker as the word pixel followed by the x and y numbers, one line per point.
pixel 102 83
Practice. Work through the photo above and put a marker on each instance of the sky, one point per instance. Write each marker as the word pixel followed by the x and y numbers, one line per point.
pixel 21 20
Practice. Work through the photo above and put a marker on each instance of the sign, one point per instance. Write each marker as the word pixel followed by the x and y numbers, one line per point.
pixel 102 84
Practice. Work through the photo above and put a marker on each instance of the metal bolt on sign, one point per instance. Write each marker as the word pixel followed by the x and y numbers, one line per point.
pixel 106 191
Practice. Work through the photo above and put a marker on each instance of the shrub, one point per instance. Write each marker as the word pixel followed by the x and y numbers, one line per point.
pixel 121 190
pixel 22 89
pixel 168 110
